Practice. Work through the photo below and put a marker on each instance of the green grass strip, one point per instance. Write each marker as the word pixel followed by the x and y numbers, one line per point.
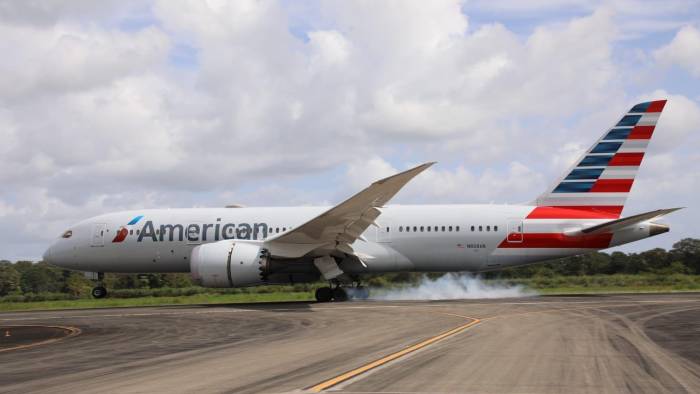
pixel 155 301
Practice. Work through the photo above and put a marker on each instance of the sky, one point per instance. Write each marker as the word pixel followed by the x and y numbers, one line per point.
pixel 114 105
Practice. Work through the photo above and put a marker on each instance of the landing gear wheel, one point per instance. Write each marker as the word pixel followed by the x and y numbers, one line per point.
pixel 361 293
pixel 324 294
pixel 339 294
pixel 99 292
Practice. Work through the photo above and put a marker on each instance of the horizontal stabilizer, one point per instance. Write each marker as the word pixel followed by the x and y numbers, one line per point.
pixel 618 224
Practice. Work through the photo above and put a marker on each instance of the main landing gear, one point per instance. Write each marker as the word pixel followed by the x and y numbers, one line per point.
pixel 324 294
pixel 339 294
pixel 99 291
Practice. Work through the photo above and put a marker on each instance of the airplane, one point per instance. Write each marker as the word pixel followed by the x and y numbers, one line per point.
pixel 239 246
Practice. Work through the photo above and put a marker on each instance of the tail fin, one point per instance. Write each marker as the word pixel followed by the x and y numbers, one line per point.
pixel 600 180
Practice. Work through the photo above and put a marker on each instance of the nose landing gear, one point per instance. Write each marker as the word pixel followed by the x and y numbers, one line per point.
pixel 99 291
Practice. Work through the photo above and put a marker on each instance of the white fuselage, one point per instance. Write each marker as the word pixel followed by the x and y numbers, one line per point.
pixel 406 238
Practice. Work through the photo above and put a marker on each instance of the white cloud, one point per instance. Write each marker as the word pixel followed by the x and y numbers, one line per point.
pixel 679 120
pixel 513 184
pixel 328 48
pixel 63 58
pixel 683 50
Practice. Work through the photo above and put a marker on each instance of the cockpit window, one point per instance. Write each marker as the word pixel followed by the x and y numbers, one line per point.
pixel 67 234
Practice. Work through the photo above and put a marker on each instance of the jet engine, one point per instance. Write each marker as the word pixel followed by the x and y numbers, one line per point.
pixel 229 264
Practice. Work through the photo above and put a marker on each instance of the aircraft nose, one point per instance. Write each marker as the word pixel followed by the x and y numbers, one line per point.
pixel 47 255
pixel 56 255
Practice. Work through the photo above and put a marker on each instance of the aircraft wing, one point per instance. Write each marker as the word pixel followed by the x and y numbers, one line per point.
pixel 618 224
pixel 343 224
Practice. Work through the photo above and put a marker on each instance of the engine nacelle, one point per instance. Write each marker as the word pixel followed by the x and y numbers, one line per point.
pixel 229 264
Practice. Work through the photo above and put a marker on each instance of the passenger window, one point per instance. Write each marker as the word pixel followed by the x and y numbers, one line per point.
pixel 421 229
pixel 481 229
pixel 450 228
pixel 400 229
pixel 415 229
pixel 387 229
pixel 488 228
pixel 428 228
pixel 284 229
pixel 472 228
pixel 443 229
pixel 457 228
pixel 495 228
pixel 131 232
pixel 138 232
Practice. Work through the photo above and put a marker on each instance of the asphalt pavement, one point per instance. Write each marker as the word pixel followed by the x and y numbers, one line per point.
pixel 586 344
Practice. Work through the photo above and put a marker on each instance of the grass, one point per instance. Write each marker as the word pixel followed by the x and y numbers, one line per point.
pixel 279 297
pixel 613 290
pixel 594 284
pixel 155 301
pixel 619 283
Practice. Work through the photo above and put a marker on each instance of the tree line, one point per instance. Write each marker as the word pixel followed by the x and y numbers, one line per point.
pixel 27 277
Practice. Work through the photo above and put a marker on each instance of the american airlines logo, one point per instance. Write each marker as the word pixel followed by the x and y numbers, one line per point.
pixel 193 232
pixel 124 231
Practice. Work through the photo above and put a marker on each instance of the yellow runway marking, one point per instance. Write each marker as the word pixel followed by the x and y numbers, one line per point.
pixel 374 364
pixel 73 332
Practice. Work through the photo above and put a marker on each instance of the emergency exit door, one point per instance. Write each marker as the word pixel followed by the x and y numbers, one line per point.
pixel 515 231
pixel 98 234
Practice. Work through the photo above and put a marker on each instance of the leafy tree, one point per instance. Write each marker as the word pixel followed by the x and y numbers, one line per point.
pixel 177 280
pixel 9 278
pixel 655 259
pixel 156 281
pixel 618 263
pixel 687 251
pixel 77 285
pixel 596 263
pixel 129 281
pixel 635 264
pixel 41 277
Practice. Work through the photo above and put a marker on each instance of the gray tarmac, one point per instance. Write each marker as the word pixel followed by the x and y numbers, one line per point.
pixel 588 344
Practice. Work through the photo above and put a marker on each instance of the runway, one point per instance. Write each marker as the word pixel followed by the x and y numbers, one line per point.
pixel 593 344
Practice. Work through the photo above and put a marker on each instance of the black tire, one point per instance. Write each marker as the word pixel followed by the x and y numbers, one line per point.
pixel 324 294
pixel 339 294
pixel 99 292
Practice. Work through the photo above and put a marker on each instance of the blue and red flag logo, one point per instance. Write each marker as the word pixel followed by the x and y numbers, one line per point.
pixel 124 231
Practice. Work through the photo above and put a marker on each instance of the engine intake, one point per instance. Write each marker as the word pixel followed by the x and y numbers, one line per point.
pixel 229 264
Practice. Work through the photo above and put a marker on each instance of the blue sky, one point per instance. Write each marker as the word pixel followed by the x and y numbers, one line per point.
pixel 128 105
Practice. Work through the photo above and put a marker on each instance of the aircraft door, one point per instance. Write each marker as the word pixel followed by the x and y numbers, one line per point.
pixel 98 234
pixel 515 231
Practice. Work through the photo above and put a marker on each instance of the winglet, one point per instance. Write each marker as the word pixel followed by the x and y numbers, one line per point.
pixel 410 173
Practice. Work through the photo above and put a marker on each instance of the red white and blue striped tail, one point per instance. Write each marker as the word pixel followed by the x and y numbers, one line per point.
pixel 598 183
